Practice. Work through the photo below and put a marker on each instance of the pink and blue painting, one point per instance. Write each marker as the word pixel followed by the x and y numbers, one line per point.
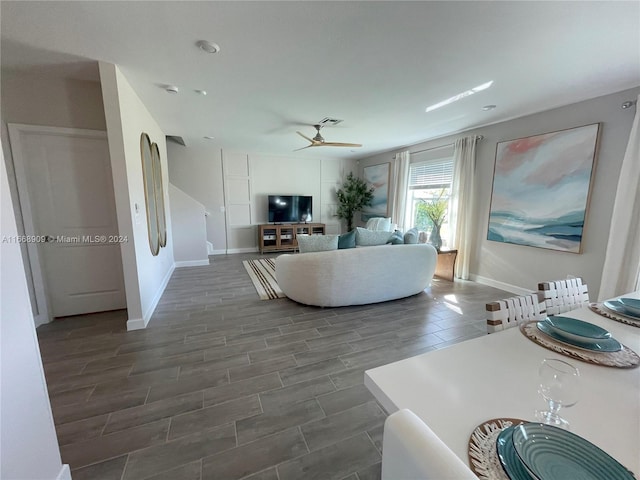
pixel 377 177
pixel 541 188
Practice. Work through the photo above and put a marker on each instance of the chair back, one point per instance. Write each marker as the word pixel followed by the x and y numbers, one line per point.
pixel 508 312
pixel 563 295
pixel 411 451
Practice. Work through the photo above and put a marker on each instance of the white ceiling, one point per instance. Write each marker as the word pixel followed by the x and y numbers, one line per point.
pixel 376 65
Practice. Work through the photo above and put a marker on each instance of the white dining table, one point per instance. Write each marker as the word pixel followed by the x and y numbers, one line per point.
pixel 455 389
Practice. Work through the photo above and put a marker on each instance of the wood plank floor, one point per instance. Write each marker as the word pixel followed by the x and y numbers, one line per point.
pixel 222 385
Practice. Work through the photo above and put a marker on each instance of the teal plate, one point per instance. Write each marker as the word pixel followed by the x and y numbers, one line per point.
pixel 550 453
pixel 631 305
pixel 618 307
pixel 577 329
pixel 509 459
pixel 604 345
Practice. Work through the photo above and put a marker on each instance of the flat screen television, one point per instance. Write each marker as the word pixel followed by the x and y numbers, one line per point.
pixel 290 208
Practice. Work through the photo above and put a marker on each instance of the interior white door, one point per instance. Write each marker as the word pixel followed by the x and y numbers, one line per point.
pixel 71 211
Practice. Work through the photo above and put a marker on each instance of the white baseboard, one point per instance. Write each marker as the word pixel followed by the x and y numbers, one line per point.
pixel 65 473
pixel 136 324
pixel 219 252
pixel 140 323
pixel 192 263
pixel 497 284
pixel 243 250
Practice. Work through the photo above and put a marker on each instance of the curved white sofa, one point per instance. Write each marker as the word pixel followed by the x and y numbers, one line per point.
pixel 356 276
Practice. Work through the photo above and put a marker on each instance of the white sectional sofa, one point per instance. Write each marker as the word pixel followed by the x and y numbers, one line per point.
pixel 356 276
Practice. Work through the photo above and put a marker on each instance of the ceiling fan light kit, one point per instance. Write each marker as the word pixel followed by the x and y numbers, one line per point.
pixel 319 141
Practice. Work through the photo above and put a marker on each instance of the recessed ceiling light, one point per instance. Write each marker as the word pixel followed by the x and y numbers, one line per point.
pixel 486 108
pixel 171 89
pixel 201 92
pixel 460 96
pixel 209 137
pixel 208 46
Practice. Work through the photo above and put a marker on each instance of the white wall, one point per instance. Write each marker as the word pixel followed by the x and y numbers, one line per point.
pixel 28 444
pixel 145 275
pixel 49 101
pixel 196 170
pixel 189 229
pixel 506 265
pixel 243 184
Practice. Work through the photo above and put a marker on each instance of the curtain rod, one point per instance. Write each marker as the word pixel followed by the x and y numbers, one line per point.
pixel 479 137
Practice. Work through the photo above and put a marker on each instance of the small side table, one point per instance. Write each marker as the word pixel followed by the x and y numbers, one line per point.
pixel 446 264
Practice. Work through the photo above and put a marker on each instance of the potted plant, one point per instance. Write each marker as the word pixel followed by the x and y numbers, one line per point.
pixel 436 210
pixel 353 195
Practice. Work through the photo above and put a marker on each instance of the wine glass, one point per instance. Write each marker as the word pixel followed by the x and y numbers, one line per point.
pixel 560 387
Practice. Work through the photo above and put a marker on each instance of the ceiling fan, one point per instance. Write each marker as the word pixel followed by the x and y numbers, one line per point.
pixel 318 141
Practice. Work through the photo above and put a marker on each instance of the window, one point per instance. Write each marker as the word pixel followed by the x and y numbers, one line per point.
pixel 429 189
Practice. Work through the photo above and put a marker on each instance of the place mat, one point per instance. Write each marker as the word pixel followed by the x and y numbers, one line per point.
pixel 600 309
pixel 625 358
pixel 483 454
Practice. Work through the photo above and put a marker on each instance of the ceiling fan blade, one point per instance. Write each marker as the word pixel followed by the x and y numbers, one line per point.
pixel 305 137
pixel 340 144
pixel 308 146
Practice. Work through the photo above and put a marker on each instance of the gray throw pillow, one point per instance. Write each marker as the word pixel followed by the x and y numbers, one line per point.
pixel 396 238
pixel 368 238
pixel 379 223
pixel 317 243
pixel 411 236
pixel 347 240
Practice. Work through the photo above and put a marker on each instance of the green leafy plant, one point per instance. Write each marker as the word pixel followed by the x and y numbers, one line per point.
pixel 435 210
pixel 353 195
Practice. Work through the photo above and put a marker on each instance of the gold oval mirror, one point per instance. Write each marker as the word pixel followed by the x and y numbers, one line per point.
pixel 149 195
pixel 159 195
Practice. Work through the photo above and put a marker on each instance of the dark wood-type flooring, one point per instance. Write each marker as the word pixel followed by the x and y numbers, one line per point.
pixel 222 385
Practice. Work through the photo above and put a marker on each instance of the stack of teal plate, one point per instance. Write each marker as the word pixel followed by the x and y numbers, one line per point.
pixel 629 307
pixel 534 451
pixel 577 333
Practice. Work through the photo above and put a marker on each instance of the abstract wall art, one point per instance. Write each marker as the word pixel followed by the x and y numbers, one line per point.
pixel 541 187
pixel 377 176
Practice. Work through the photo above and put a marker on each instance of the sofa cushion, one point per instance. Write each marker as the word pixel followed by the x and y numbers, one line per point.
pixel 347 240
pixel 396 238
pixel 317 243
pixel 368 238
pixel 379 223
pixel 411 236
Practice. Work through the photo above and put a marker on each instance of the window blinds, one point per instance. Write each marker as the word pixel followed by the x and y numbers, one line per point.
pixel 432 174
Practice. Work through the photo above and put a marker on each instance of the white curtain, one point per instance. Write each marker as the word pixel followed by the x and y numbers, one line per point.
pixel 461 207
pixel 401 171
pixel 621 269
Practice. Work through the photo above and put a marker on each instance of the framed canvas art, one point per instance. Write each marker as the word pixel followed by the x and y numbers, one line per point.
pixel 377 176
pixel 541 187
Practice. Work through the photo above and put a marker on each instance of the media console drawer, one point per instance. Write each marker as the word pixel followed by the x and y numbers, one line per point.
pixel 282 237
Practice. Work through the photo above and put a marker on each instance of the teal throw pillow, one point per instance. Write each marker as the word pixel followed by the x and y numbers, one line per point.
pixel 347 240
pixel 397 238
pixel 411 236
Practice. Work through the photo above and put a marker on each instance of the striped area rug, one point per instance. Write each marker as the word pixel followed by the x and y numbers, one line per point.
pixel 263 276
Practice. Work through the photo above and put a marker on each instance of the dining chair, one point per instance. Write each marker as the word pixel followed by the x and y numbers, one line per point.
pixel 563 295
pixel 411 450
pixel 508 312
